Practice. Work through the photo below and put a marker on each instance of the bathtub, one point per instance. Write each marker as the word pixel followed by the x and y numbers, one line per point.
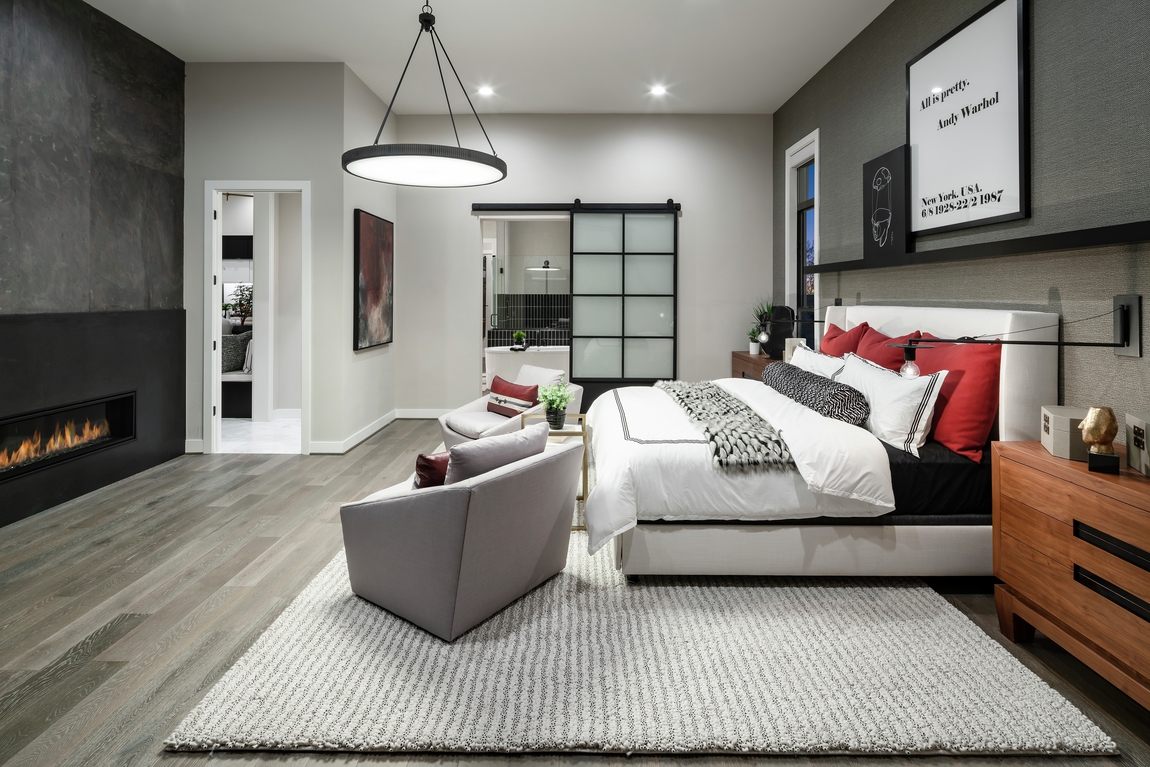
pixel 503 362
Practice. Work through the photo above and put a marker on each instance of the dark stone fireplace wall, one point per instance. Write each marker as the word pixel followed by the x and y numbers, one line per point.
pixel 91 210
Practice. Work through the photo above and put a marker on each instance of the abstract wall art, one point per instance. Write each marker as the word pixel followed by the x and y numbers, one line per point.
pixel 375 279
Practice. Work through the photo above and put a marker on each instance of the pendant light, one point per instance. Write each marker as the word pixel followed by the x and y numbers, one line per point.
pixel 433 165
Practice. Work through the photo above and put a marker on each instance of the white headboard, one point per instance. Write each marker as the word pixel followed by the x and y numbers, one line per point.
pixel 1029 374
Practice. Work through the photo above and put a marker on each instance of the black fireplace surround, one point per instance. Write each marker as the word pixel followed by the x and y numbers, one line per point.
pixel 121 374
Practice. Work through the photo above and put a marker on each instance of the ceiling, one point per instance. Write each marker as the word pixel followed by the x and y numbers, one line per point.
pixel 557 56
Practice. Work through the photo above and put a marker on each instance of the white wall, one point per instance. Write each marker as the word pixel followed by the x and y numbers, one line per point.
pixel 286 122
pixel 530 243
pixel 237 215
pixel 369 388
pixel 717 166
pixel 288 304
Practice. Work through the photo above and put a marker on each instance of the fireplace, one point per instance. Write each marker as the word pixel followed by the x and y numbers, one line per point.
pixel 40 440
pixel 63 436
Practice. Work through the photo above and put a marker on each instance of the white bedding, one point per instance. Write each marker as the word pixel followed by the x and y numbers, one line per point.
pixel 652 463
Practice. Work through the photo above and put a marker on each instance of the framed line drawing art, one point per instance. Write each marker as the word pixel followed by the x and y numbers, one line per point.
pixel 967 124
pixel 885 206
pixel 374 280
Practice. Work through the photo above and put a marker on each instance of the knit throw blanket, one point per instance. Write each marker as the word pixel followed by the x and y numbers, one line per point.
pixel 740 439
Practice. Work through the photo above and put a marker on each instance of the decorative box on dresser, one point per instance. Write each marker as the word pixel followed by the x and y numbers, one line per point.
pixel 747 365
pixel 1072 549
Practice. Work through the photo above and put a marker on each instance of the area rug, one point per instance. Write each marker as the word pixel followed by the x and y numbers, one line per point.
pixel 676 665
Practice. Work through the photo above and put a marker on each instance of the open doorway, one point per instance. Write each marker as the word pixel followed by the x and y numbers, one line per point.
pixel 527 289
pixel 256 369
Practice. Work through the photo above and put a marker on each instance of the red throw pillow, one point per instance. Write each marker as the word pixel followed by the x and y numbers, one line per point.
pixel 511 399
pixel 431 470
pixel 838 342
pixel 873 347
pixel 968 402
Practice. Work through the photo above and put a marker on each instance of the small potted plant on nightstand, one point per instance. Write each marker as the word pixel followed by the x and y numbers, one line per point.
pixel 753 334
pixel 519 337
pixel 555 400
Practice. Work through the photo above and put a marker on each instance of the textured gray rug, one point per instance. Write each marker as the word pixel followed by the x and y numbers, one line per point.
pixel 586 663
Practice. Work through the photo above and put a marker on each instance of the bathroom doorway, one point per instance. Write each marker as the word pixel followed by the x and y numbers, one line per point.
pixel 526 289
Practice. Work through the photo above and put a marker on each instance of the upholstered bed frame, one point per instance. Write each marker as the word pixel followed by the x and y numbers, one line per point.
pixel 1028 380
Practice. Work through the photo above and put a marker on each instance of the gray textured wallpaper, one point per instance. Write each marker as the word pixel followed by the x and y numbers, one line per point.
pixel 91 163
pixel 1090 128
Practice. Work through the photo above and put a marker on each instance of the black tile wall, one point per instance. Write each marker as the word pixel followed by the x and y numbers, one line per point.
pixel 546 318
pixel 91 163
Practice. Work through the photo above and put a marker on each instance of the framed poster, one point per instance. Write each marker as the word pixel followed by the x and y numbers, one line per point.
pixel 374 275
pixel 885 206
pixel 967 124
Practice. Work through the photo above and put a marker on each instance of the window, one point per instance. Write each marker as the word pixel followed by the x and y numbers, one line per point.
pixel 805 290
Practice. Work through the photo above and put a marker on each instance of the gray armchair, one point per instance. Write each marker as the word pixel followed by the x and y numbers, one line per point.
pixel 475 421
pixel 447 558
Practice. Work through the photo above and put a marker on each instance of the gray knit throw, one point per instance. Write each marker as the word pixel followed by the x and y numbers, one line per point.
pixel 740 439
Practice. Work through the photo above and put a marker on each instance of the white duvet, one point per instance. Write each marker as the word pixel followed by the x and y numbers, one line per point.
pixel 652 463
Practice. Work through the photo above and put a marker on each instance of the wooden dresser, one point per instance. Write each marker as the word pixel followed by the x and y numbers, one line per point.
pixel 1072 549
pixel 746 365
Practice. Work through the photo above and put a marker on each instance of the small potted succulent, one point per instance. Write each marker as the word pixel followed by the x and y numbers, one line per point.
pixel 555 400
pixel 753 334
pixel 520 341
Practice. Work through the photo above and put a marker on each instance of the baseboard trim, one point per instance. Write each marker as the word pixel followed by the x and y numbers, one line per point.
pixel 193 447
pixel 339 448
pixel 289 414
pixel 421 412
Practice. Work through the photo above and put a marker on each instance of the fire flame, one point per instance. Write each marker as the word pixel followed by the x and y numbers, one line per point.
pixel 63 438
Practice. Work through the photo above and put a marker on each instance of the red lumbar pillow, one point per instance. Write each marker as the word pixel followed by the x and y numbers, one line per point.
pixel 873 347
pixel 968 402
pixel 431 470
pixel 837 342
pixel 511 399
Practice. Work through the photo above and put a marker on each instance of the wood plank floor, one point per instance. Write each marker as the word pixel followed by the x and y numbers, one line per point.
pixel 119 610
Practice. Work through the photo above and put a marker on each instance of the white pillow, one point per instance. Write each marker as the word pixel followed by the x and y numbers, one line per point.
pixel 529 375
pixel 901 409
pixel 816 362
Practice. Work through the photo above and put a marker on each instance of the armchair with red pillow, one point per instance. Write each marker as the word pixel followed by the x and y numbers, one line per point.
pixel 968 403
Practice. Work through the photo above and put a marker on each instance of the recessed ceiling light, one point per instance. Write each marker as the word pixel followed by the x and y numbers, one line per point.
pixel 932 90
pixel 658 90
pixel 486 90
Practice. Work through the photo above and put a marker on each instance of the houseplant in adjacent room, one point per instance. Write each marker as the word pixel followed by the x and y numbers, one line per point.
pixel 555 400
pixel 520 341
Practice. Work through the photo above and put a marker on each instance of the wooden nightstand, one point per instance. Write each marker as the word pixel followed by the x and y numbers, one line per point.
pixel 1073 551
pixel 745 365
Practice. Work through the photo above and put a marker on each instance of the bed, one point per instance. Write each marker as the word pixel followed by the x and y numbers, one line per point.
pixel 660 510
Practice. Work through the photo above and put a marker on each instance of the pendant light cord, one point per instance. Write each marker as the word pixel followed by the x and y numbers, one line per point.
pixel 392 102
pixel 434 39
pixel 444 83
pixel 447 56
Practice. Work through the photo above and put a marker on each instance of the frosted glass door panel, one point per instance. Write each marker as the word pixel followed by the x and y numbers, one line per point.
pixel 597 232
pixel 651 274
pixel 596 358
pixel 598 274
pixel 596 316
pixel 648 357
pixel 649 317
pixel 650 233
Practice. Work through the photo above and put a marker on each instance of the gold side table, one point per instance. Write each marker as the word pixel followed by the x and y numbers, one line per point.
pixel 567 432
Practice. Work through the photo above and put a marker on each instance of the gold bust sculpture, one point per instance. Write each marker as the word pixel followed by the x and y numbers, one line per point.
pixel 1099 428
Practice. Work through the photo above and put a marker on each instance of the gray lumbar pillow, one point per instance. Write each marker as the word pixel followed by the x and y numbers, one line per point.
pixel 234 350
pixel 470 459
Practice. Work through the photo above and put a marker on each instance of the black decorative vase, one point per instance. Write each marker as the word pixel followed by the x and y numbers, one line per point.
pixel 779 328
pixel 556 419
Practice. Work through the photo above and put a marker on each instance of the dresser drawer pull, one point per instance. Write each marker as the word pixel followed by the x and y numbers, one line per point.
pixel 1117 595
pixel 1112 545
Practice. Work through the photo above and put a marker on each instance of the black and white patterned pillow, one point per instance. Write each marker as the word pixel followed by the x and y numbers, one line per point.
pixel 822 395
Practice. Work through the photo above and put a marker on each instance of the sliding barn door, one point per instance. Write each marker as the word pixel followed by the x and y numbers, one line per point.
pixel 623 303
